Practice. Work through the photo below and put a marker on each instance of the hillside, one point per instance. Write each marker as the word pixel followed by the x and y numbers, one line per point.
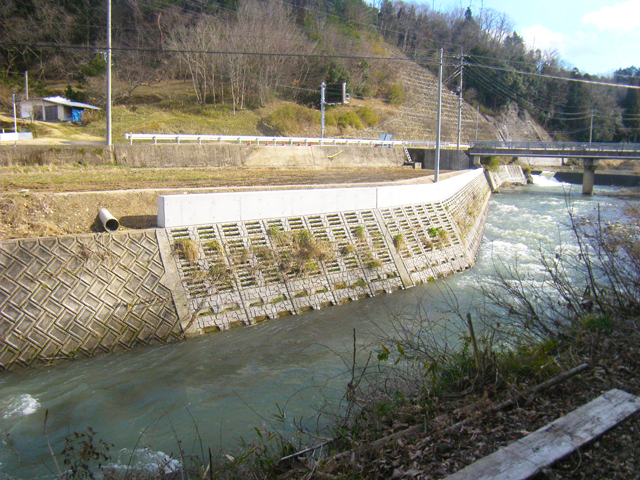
pixel 170 107
pixel 217 68
pixel 416 117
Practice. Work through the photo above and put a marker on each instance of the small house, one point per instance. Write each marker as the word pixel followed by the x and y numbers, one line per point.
pixel 54 109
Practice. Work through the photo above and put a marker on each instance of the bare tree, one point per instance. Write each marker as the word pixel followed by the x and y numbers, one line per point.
pixel 194 45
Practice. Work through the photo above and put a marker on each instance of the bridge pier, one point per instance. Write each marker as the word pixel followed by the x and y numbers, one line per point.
pixel 589 175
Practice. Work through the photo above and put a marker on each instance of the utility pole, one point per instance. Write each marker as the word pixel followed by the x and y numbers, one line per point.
pixel 323 87
pixel 15 121
pixel 109 141
pixel 591 128
pixel 439 118
pixel 26 85
pixel 477 118
pixel 460 100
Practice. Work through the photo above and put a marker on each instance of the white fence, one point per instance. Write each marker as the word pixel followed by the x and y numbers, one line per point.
pixel 157 138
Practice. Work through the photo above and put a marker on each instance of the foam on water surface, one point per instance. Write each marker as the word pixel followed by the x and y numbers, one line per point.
pixel 19 406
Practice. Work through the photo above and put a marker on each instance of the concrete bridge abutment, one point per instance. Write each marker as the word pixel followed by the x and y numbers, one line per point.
pixel 589 175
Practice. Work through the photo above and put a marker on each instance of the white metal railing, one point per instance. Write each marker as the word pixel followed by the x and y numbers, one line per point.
pixel 165 138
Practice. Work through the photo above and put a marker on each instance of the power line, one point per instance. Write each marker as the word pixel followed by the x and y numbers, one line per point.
pixel 568 79
pixel 204 52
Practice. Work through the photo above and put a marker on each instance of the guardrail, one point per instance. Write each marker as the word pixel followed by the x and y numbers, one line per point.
pixel 170 138
pixel 559 146
pixel 164 138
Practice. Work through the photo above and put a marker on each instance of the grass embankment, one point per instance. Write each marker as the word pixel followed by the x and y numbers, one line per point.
pixel 80 178
pixel 65 199
pixel 170 107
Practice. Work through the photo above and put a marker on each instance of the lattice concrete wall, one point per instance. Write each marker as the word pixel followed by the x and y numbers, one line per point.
pixel 69 296
pixel 240 273
pixel 505 174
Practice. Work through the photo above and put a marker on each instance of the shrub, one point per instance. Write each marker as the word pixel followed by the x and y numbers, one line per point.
pixel 289 118
pixel 345 119
pixel 491 163
pixel 396 94
pixel 368 116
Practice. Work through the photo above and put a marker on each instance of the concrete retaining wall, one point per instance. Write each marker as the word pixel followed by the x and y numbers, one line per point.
pixel 81 295
pixel 505 174
pixel 374 240
pixel 196 209
pixel 449 159
pixel 207 155
pixel 24 155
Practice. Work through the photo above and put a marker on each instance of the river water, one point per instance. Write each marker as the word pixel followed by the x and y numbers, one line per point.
pixel 227 383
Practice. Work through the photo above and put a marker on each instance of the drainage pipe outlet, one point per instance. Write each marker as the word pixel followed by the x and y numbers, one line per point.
pixel 109 222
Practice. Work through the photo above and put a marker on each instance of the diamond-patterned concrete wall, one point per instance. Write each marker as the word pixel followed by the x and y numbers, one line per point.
pixel 81 295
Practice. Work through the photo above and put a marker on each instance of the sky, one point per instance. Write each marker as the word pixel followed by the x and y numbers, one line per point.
pixel 596 36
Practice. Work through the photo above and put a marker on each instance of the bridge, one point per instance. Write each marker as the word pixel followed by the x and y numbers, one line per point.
pixel 624 151
pixel 590 153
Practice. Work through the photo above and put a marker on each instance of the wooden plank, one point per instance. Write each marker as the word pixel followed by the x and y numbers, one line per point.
pixel 529 455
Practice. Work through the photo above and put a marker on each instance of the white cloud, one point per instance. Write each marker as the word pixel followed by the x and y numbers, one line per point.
pixel 539 37
pixel 623 16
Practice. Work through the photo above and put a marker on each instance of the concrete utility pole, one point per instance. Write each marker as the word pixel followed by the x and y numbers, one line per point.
pixel 26 85
pixel 109 141
pixel 460 100
pixel 477 118
pixel 15 121
pixel 591 128
pixel 439 118
pixel 323 87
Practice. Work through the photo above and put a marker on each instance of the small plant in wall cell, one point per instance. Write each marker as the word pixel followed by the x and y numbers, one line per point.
pixel 188 249
pixel 360 232
pixel 347 250
pixel 398 241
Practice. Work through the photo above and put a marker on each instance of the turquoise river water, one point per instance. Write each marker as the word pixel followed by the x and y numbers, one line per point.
pixel 226 383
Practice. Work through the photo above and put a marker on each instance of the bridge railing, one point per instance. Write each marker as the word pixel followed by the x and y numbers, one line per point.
pixel 163 138
pixel 558 146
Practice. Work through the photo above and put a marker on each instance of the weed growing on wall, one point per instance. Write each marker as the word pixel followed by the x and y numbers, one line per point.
pixel 188 249
pixel 399 241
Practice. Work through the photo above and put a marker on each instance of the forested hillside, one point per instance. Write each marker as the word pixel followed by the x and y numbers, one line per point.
pixel 243 54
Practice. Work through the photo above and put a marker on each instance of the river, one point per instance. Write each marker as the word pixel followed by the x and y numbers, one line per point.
pixel 227 383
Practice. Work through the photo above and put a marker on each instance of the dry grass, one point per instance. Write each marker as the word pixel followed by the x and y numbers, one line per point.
pixel 47 209
pixel 75 178
pixel 189 249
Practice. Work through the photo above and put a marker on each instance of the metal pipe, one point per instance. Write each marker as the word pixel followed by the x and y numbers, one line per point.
pixel 109 222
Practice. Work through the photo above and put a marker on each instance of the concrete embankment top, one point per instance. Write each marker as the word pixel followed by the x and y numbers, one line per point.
pixel 199 209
